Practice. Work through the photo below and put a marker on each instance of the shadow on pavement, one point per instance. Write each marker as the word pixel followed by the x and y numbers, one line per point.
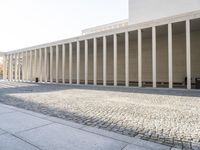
pixel 8 88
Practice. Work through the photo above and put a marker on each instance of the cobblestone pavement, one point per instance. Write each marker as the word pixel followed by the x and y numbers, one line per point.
pixel 170 117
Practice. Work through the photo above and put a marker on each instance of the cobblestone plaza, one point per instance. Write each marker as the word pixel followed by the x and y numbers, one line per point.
pixel 163 116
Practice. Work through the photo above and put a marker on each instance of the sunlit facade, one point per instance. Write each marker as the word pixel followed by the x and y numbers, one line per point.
pixel 155 49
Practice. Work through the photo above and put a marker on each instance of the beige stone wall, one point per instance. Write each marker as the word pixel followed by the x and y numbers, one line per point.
pixel 162 58
pixel 54 64
pixel 74 63
pixel 67 63
pixel 109 59
pixel 133 57
pixel 42 67
pixel 179 58
pixel 90 61
pixel 121 58
pixel 195 55
pixel 82 62
pixel 147 59
pixel 100 61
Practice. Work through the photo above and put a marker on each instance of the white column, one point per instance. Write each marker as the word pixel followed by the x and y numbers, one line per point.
pixel 57 57
pixel 63 63
pixel 95 61
pixel 40 64
pixel 86 62
pixel 170 55
pixel 104 61
pixel 70 63
pixel 139 58
pixel 4 67
pixel 7 63
pixel 22 66
pixel 115 59
pixel 78 62
pixel 30 65
pixel 51 64
pixel 10 69
pixel 19 69
pixel 26 71
pixel 45 65
pixel 7 66
pixel 16 66
pixel 154 56
pixel 35 68
pixel 188 54
pixel 127 58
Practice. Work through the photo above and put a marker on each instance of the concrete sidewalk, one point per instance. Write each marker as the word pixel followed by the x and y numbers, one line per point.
pixel 25 130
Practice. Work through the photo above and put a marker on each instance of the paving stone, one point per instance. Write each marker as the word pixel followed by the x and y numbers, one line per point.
pixel 2 132
pixel 135 147
pixel 9 142
pixel 17 122
pixel 151 145
pixel 67 138
pixel 5 110
pixel 31 113
pixel 67 123
pixel 195 146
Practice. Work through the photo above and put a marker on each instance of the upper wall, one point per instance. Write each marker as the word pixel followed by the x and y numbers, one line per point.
pixel 147 10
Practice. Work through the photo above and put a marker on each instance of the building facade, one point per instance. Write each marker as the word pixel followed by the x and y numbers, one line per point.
pixel 157 51
pixel 148 10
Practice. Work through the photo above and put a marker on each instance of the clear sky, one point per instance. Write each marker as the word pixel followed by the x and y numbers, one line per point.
pixel 26 23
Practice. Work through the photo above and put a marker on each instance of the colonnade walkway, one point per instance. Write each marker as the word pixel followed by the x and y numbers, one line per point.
pixel 159 53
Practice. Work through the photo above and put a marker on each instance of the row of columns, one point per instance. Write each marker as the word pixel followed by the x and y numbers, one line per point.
pixel 170 66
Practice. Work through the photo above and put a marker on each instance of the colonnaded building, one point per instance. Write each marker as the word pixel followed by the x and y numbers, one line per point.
pixel 157 46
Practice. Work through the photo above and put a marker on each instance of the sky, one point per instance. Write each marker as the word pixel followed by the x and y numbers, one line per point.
pixel 25 23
